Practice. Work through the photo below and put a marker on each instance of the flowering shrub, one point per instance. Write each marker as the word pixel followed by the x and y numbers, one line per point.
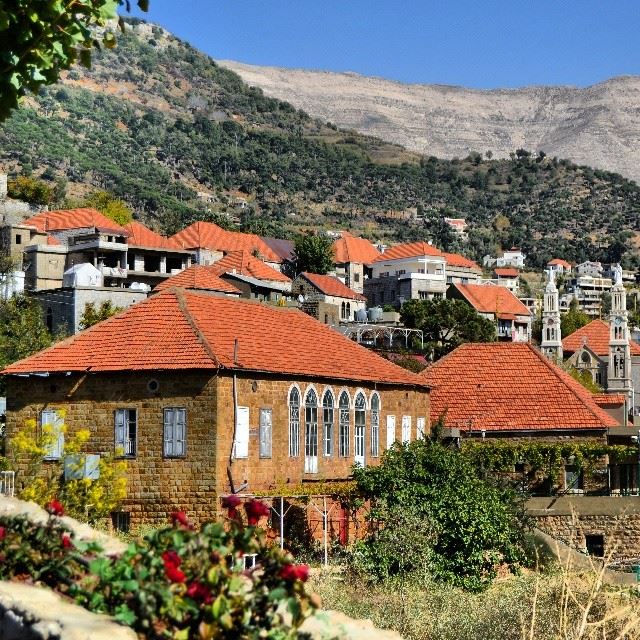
pixel 175 583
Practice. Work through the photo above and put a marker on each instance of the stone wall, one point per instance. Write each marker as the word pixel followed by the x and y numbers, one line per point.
pixel 158 485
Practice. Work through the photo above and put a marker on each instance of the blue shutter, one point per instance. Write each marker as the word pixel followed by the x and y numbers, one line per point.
pixel 169 432
pixel 180 432
pixel 120 420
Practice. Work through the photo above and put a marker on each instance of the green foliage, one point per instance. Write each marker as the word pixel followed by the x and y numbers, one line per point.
pixel 93 315
pixel 478 526
pixel 174 583
pixel 40 39
pixel 584 377
pixel 112 207
pixel 446 324
pixel 30 190
pixel 22 331
pixel 313 254
pixel 573 320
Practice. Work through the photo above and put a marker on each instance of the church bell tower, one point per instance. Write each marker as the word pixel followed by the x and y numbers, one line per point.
pixel 551 344
pixel 619 366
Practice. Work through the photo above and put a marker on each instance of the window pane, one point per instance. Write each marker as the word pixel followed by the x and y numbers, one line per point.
pixel 265 433
pixel 294 423
pixel 327 423
pixel 343 427
pixel 375 425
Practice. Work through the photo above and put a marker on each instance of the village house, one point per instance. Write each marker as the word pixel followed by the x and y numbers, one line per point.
pixel 589 268
pixel 508 277
pixel 413 271
pixel 199 278
pixel 511 318
pixel 313 288
pixel 210 243
pixel 587 291
pixel 205 394
pixel 460 269
pixel 459 226
pixel 350 257
pixel 511 258
pixel 559 266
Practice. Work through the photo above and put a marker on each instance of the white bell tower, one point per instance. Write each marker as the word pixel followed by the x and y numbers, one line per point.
pixel 551 344
pixel 619 367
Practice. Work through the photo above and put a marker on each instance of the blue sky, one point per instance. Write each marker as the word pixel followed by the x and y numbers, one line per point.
pixel 474 43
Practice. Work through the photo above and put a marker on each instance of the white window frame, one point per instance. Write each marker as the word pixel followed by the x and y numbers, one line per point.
pixel 375 404
pixel 328 423
pixel 174 432
pixel 294 422
pixel 421 425
pixel 391 431
pixel 344 424
pixel 266 432
pixel 124 441
pixel 406 429
pixel 241 441
pixel 55 449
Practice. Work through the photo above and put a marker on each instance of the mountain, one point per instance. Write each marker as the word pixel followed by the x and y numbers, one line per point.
pixel 598 126
pixel 180 138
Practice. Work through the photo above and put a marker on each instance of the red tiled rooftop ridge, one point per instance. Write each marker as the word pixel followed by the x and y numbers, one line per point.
pixel 560 262
pixel 349 248
pixel 331 286
pixel 595 336
pixel 489 298
pixel 207 235
pixel 179 329
pixel 457 260
pixel 142 236
pixel 507 272
pixel 198 277
pixel 508 386
pixel 409 250
pixel 81 218
pixel 246 264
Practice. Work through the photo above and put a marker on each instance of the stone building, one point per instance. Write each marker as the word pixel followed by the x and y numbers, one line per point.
pixel 314 287
pixel 460 269
pixel 350 256
pixel 498 304
pixel 205 394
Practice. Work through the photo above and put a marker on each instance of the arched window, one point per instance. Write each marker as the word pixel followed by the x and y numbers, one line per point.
pixel 359 428
pixel 348 316
pixel 327 422
pixel 585 358
pixel 375 425
pixel 294 422
pixel 311 432
pixel 342 311
pixel 343 428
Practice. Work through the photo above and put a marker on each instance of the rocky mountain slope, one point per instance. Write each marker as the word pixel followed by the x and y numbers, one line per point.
pixel 598 126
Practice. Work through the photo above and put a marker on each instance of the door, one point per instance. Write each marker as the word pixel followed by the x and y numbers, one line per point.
pixel 359 430
pixel 311 433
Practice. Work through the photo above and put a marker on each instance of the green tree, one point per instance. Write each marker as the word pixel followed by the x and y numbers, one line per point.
pixel 573 320
pixel 41 39
pixel 30 190
pixel 112 207
pixel 479 526
pixel 313 254
pixel 446 324
pixel 22 331
pixel 93 315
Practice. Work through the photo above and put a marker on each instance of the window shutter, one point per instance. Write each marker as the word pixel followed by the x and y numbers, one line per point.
pixel 241 445
pixel 180 431
pixel 391 431
pixel 265 433
pixel 120 417
pixel 52 424
pixel 420 422
pixel 169 418
pixel 406 429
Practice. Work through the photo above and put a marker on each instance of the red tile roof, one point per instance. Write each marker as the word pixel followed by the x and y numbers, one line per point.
pixel 180 329
pixel 198 277
pixel 409 250
pixel 508 386
pixel 506 272
pixel 489 298
pixel 53 241
pixel 352 249
pixel 73 219
pixel 609 399
pixel 141 236
pixel 457 260
pixel 560 262
pixel 595 336
pixel 331 286
pixel 245 264
pixel 206 235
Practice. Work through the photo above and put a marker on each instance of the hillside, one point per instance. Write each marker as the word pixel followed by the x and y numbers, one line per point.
pixel 598 125
pixel 181 138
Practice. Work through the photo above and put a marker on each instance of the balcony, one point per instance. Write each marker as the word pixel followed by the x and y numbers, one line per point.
pixel 113 272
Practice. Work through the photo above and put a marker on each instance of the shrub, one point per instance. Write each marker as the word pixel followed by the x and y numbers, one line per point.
pixel 175 583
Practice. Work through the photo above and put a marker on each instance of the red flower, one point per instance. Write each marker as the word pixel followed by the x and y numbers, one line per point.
pixel 174 573
pixel 66 541
pixel 3 533
pixel 255 510
pixel 179 517
pixel 55 508
pixel 293 572
pixel 171 558
pixel 231 503
pixel 199 591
